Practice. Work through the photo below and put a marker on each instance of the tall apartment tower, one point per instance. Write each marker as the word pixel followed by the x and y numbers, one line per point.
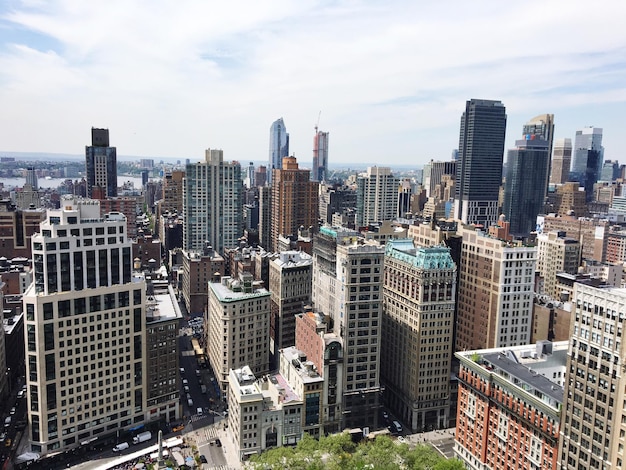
pixel 294 201
pixel 495 295
pixel 347 286
pixel 561 161
pixel 479 169
pixel 592 424
pixel 238 319
pixel 212 203
pixel 279 146
pixel 31 178
pixel 526 183
pixel 101 165
pixel 542 126
pixel 85 330
pixel 320 156
pixel 173 192
pixel 556 253
pixel 290 291
pixel 418 297
pixel 377 196
pixel 588 158
pixel 265 209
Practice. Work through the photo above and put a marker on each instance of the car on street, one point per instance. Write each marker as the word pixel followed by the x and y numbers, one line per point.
pixel 8 443
pixel 385 414
pixel 3 437
pixel 21 394
pixel 185 382
pixel 218 443
pixel 180 427
pixel 13 410
pixel 182 370
pixel 203 459
pixel 186 388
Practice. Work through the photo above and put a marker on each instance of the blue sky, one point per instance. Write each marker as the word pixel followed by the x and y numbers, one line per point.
pixel 170 79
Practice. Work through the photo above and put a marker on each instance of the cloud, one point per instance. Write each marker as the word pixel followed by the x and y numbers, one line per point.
pixel 391 77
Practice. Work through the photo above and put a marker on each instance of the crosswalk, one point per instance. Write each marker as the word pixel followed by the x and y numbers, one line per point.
pixel 195 418
pixel 207 434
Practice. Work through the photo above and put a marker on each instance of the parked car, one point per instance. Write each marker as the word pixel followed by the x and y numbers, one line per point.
pixel 7 421
pixel 121 446
pixel 218 443
pixel 180 427
pixel 203 459
pixel 13 410
pixel 21 394
pixel 3 436
pixel 186 388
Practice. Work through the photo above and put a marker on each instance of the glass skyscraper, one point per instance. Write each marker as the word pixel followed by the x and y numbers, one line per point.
pixel 588 158
pixel 279 146
pixel 479 169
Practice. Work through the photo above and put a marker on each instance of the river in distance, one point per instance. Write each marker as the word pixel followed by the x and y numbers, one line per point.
pixel 52 183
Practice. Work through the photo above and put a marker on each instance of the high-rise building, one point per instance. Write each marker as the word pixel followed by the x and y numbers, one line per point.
pixel 31 178
pixel 377 196
pixel 85 330
pixel 495 292
pixel 212 203
pixel 249 179
pixel 588 158
pixel 200 268
pixel 610 170
pixel 561 161
pixel 434 172
pixel 592 428
pixel 556 254
pixel 335 200
pixel 542 126
pixel 279 146
pixel 173 192
pixel 16 228
pixel 479 168
pixel 526 183
pixel 101 165
pixel 592 233
pixel 347 286
pixel 290 291
pixel 418 297
pixel 260 176
pixel 294 201
pixel 320 156
pixel 265 213
pixel 238 319
pixel 510 406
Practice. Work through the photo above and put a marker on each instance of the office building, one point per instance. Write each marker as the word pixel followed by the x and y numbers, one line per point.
pixel 526 183
pixel 556 253
pixel 561 161
pixel 510 405
pixel 16 229
pixel 542 126
pixel 588 159
pixel 260 176
pixel 347 286
pixel 101 166
pixel 238 319
pixel 279 147
pixel 495 292
pixel 568 199
pixel 265 216
pixel 320 156
pixel 592 427
pixel 212 203
pixel 200 268
pixel 31 178
pixel 592 233
pixel 290 276
pixel 479 168
pixel 610 171
pixel 377 196
pixel 333 200
pixel 418 297
pixel 85 330
pixel 294 201
pixel 434 173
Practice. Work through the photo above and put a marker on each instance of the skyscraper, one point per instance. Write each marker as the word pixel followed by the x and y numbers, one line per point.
pixel 410 299
pixel 85 330
pixel 279 146
pixel 320 156
pixel 31 178
pixel 377 196
pixel 294 201
pixel 101 166
pixel 561 161
pixel 525 186
pixel 592 432
pixel 542 126
pixel 479 169
pixel 588 158
pixel 212 203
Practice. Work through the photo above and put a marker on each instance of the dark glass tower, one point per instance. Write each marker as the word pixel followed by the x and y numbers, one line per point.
pixel 588 159
pixel 479 169
pixel 527 170
pixel 279 146
pixel 101 166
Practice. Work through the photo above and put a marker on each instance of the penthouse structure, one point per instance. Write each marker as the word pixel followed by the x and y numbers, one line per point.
pixel 509 409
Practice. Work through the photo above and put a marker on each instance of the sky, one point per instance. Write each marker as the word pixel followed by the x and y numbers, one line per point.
pixel 387 79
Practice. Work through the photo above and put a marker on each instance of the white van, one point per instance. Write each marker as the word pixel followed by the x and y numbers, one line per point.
pixel 397 427
pixel 190 402
pixel 121 446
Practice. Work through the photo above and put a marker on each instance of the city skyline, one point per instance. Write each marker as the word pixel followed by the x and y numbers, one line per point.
pixel 390 91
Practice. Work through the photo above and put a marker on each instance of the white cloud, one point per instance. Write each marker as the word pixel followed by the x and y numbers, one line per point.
pixel 391 77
